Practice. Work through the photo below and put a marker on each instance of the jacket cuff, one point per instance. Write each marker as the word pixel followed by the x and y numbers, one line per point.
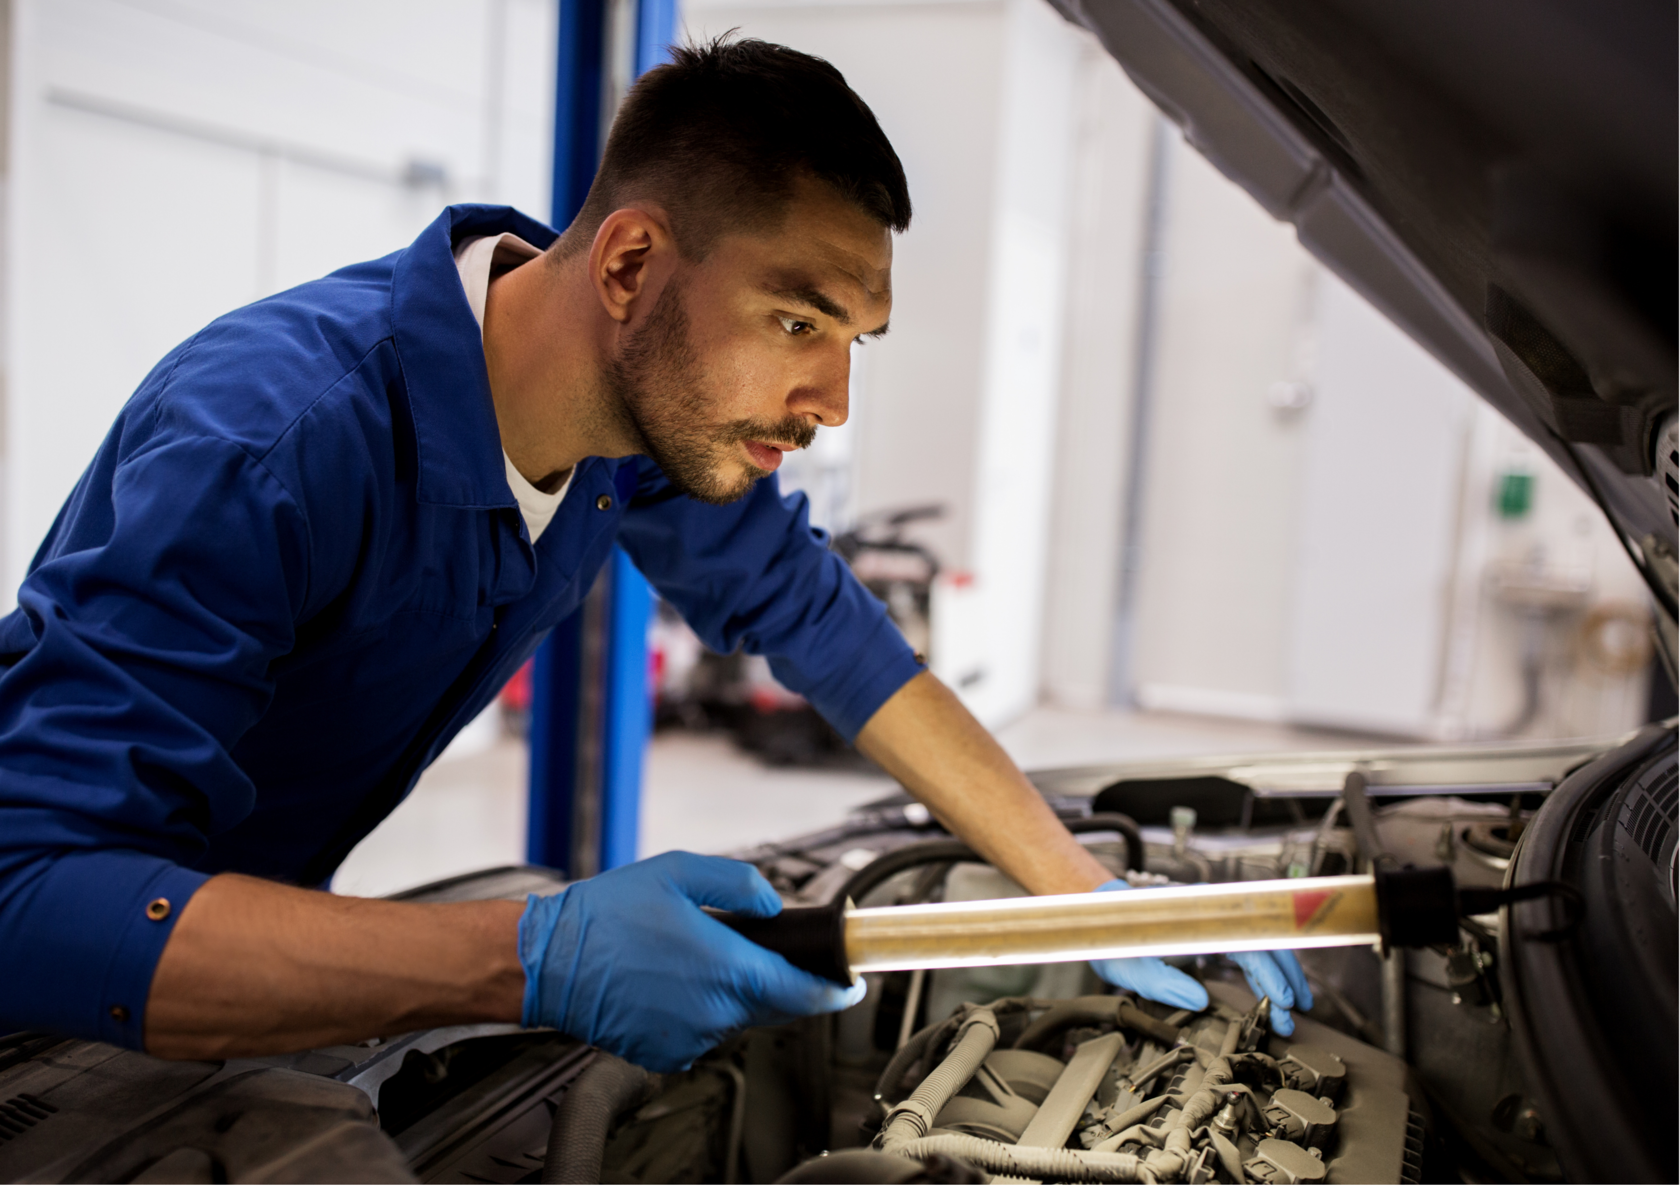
pixel 100 921
pixel 880 665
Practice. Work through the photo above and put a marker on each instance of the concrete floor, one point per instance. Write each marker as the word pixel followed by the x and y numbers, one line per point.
pixel 702 793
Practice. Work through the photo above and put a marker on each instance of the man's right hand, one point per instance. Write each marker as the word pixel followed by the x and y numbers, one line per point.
pixel 628 962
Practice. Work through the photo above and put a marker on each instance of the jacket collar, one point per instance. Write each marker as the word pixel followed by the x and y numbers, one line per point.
pixel 458 447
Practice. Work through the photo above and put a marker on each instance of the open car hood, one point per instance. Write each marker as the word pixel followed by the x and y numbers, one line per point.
pixel 1499 178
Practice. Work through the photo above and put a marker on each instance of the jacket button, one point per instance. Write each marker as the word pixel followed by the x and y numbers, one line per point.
pixel 604 502
pixel 157 910
pixel 120 1013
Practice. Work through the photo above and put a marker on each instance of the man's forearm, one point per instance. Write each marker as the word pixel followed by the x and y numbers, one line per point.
pixel 254 968
pixel 927 740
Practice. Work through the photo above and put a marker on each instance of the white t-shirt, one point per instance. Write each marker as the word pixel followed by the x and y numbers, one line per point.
pixel 476 259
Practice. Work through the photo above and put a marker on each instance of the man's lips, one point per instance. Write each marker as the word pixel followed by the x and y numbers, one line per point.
pixel 765 457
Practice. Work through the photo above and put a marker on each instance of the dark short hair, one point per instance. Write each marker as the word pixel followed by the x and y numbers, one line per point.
pixel 722 133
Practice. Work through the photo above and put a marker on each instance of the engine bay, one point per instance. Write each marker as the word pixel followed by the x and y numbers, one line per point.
pixel 1414 1066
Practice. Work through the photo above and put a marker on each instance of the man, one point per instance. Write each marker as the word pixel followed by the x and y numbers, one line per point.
pixel 327 528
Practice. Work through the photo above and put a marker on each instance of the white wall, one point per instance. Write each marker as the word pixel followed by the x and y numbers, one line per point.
pixel 1223 463
pixel 1320 542
pixel 1029 248
pixel 1385 437
pixel 1093 439
pixel 174 159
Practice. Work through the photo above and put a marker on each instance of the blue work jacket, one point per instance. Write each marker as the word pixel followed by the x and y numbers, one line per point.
pixel 292 572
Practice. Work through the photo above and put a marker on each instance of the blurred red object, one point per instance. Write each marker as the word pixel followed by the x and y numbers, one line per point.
pixel 516 693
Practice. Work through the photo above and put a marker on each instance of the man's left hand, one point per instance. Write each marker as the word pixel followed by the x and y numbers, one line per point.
pixel 1276 975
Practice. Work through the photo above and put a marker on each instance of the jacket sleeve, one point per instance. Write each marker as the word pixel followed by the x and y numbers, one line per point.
pixel 139 654
pixel 755 574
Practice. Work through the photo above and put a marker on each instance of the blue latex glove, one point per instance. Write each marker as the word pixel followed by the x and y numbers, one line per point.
pixel 1276 975
pixel 627 961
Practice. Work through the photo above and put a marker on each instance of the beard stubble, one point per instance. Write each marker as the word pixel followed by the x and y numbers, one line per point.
pixel 659 385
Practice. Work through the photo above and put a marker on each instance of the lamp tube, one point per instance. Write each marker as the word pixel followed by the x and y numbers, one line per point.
pixel 1162 921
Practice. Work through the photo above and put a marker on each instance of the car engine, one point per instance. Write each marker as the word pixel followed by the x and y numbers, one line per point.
pixel 1104 1088
pixel 1504 1057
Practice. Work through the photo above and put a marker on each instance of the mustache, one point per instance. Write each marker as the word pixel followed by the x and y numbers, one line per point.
pixel 794 430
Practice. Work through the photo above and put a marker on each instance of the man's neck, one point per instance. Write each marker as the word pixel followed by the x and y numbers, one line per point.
pixel 543 349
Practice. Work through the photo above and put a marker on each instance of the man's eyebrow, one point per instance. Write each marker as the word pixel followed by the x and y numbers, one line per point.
pixel 816 299
pixel 824 304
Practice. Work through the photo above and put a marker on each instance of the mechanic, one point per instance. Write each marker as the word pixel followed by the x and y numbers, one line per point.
pixel 326 530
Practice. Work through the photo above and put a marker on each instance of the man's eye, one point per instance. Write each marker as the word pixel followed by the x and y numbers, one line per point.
pixel 795 326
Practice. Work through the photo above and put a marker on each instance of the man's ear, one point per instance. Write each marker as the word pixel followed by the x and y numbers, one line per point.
pixel 625 261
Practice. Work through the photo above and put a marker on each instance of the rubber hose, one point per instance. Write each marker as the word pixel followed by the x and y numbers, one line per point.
pixel 908 857
pixel 1032 1162
pixel 577 1142
pixel 1119 822
pixel 1073 1012
pixel 1145 1023
pixel 905 857
pixel 1357 804
pixel 896 861
pixel 935 1035
pixel 912 1118
pixel 1099 822
pixel 1095 1008
pixel 906 1056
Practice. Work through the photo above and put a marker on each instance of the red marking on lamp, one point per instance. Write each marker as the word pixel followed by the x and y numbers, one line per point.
pixel 1308 904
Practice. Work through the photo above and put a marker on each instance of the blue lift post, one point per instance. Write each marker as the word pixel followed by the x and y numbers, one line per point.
pixel 590 707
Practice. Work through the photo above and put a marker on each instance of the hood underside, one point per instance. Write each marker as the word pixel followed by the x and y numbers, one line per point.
pixel 1499 178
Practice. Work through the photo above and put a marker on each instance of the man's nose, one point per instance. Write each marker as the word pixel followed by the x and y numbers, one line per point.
pixel 823 397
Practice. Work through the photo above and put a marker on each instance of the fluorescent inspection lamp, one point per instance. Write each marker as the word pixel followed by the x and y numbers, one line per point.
pixel 1405 908
pixel 1163 921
